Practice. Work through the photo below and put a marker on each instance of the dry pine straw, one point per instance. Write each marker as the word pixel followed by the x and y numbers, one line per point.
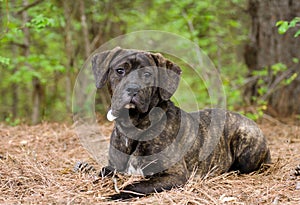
pixel 36 167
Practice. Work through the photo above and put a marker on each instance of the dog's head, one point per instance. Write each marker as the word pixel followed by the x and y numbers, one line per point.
pixel 137 80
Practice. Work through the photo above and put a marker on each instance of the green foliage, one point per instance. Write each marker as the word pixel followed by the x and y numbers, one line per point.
pixel 259 110
pixel 295 60
pixel 284 26
pixel 44 62
pixel 266 84
pixel 289 80
pixel 217 26
pixel 40 22
pixel 12 121
pixel 278 67
pixel 4 61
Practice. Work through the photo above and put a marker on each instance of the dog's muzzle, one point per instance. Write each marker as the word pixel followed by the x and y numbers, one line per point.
pixel 130 92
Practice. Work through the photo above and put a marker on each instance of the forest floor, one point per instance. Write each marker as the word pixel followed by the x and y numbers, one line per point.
pixel 36 167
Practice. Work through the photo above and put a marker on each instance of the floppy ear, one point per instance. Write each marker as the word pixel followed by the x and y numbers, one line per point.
pixel 100 65
pixel 169 76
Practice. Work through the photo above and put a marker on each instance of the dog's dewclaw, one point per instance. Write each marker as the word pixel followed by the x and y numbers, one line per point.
pixel 129 106
pixel 110 116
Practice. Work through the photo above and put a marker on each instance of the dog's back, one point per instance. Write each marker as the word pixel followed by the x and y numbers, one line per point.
pixel 231 142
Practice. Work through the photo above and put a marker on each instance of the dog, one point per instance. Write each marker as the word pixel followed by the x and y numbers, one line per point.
pixel 154 138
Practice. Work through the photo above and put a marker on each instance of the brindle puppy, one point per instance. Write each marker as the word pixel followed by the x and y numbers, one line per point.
pixel 154 138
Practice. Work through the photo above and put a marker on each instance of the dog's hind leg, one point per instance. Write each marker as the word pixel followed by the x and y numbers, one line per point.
pixel 250 151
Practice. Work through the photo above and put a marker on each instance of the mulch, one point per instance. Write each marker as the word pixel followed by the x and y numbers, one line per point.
pixel 36 167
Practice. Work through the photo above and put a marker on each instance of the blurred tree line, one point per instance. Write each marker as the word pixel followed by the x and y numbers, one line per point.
pixel 43 45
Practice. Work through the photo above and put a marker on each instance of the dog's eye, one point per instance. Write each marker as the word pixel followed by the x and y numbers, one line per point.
pixel 120 71
pixel 147 74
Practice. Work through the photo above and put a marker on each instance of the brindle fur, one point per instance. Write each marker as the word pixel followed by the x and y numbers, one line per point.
pixel 241 146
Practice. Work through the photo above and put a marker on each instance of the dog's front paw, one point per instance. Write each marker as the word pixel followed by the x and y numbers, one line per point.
pixel 107 171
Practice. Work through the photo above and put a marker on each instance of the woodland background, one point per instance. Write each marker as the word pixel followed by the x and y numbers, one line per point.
pixel 43 45
pixel 254 45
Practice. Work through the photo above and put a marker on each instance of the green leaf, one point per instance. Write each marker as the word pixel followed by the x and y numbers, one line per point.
pixel 40 22
pixel 260 82
pixel 4 60
pixel 294 22
pixel 263 72
pixel 297 34
pixel 234 24
pixel 291 79
pixel 283 27
pixel 278 67
pixel 278 23
pixel 262 90
pixel 296 60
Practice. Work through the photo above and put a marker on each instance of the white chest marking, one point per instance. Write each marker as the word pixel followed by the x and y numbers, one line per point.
pixel 134 171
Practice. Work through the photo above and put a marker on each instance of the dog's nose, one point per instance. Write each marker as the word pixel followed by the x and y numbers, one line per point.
pixel 132 89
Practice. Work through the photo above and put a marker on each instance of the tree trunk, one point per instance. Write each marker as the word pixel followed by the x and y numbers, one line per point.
pixel 14 85
pixel 85 30
pixel 36 84
pixel 15 98
pixel 69 51
pixel 38 96
pixel 267 48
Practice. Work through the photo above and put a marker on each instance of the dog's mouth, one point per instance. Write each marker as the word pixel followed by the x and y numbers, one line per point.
pixel 127 109
pixel 130 106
